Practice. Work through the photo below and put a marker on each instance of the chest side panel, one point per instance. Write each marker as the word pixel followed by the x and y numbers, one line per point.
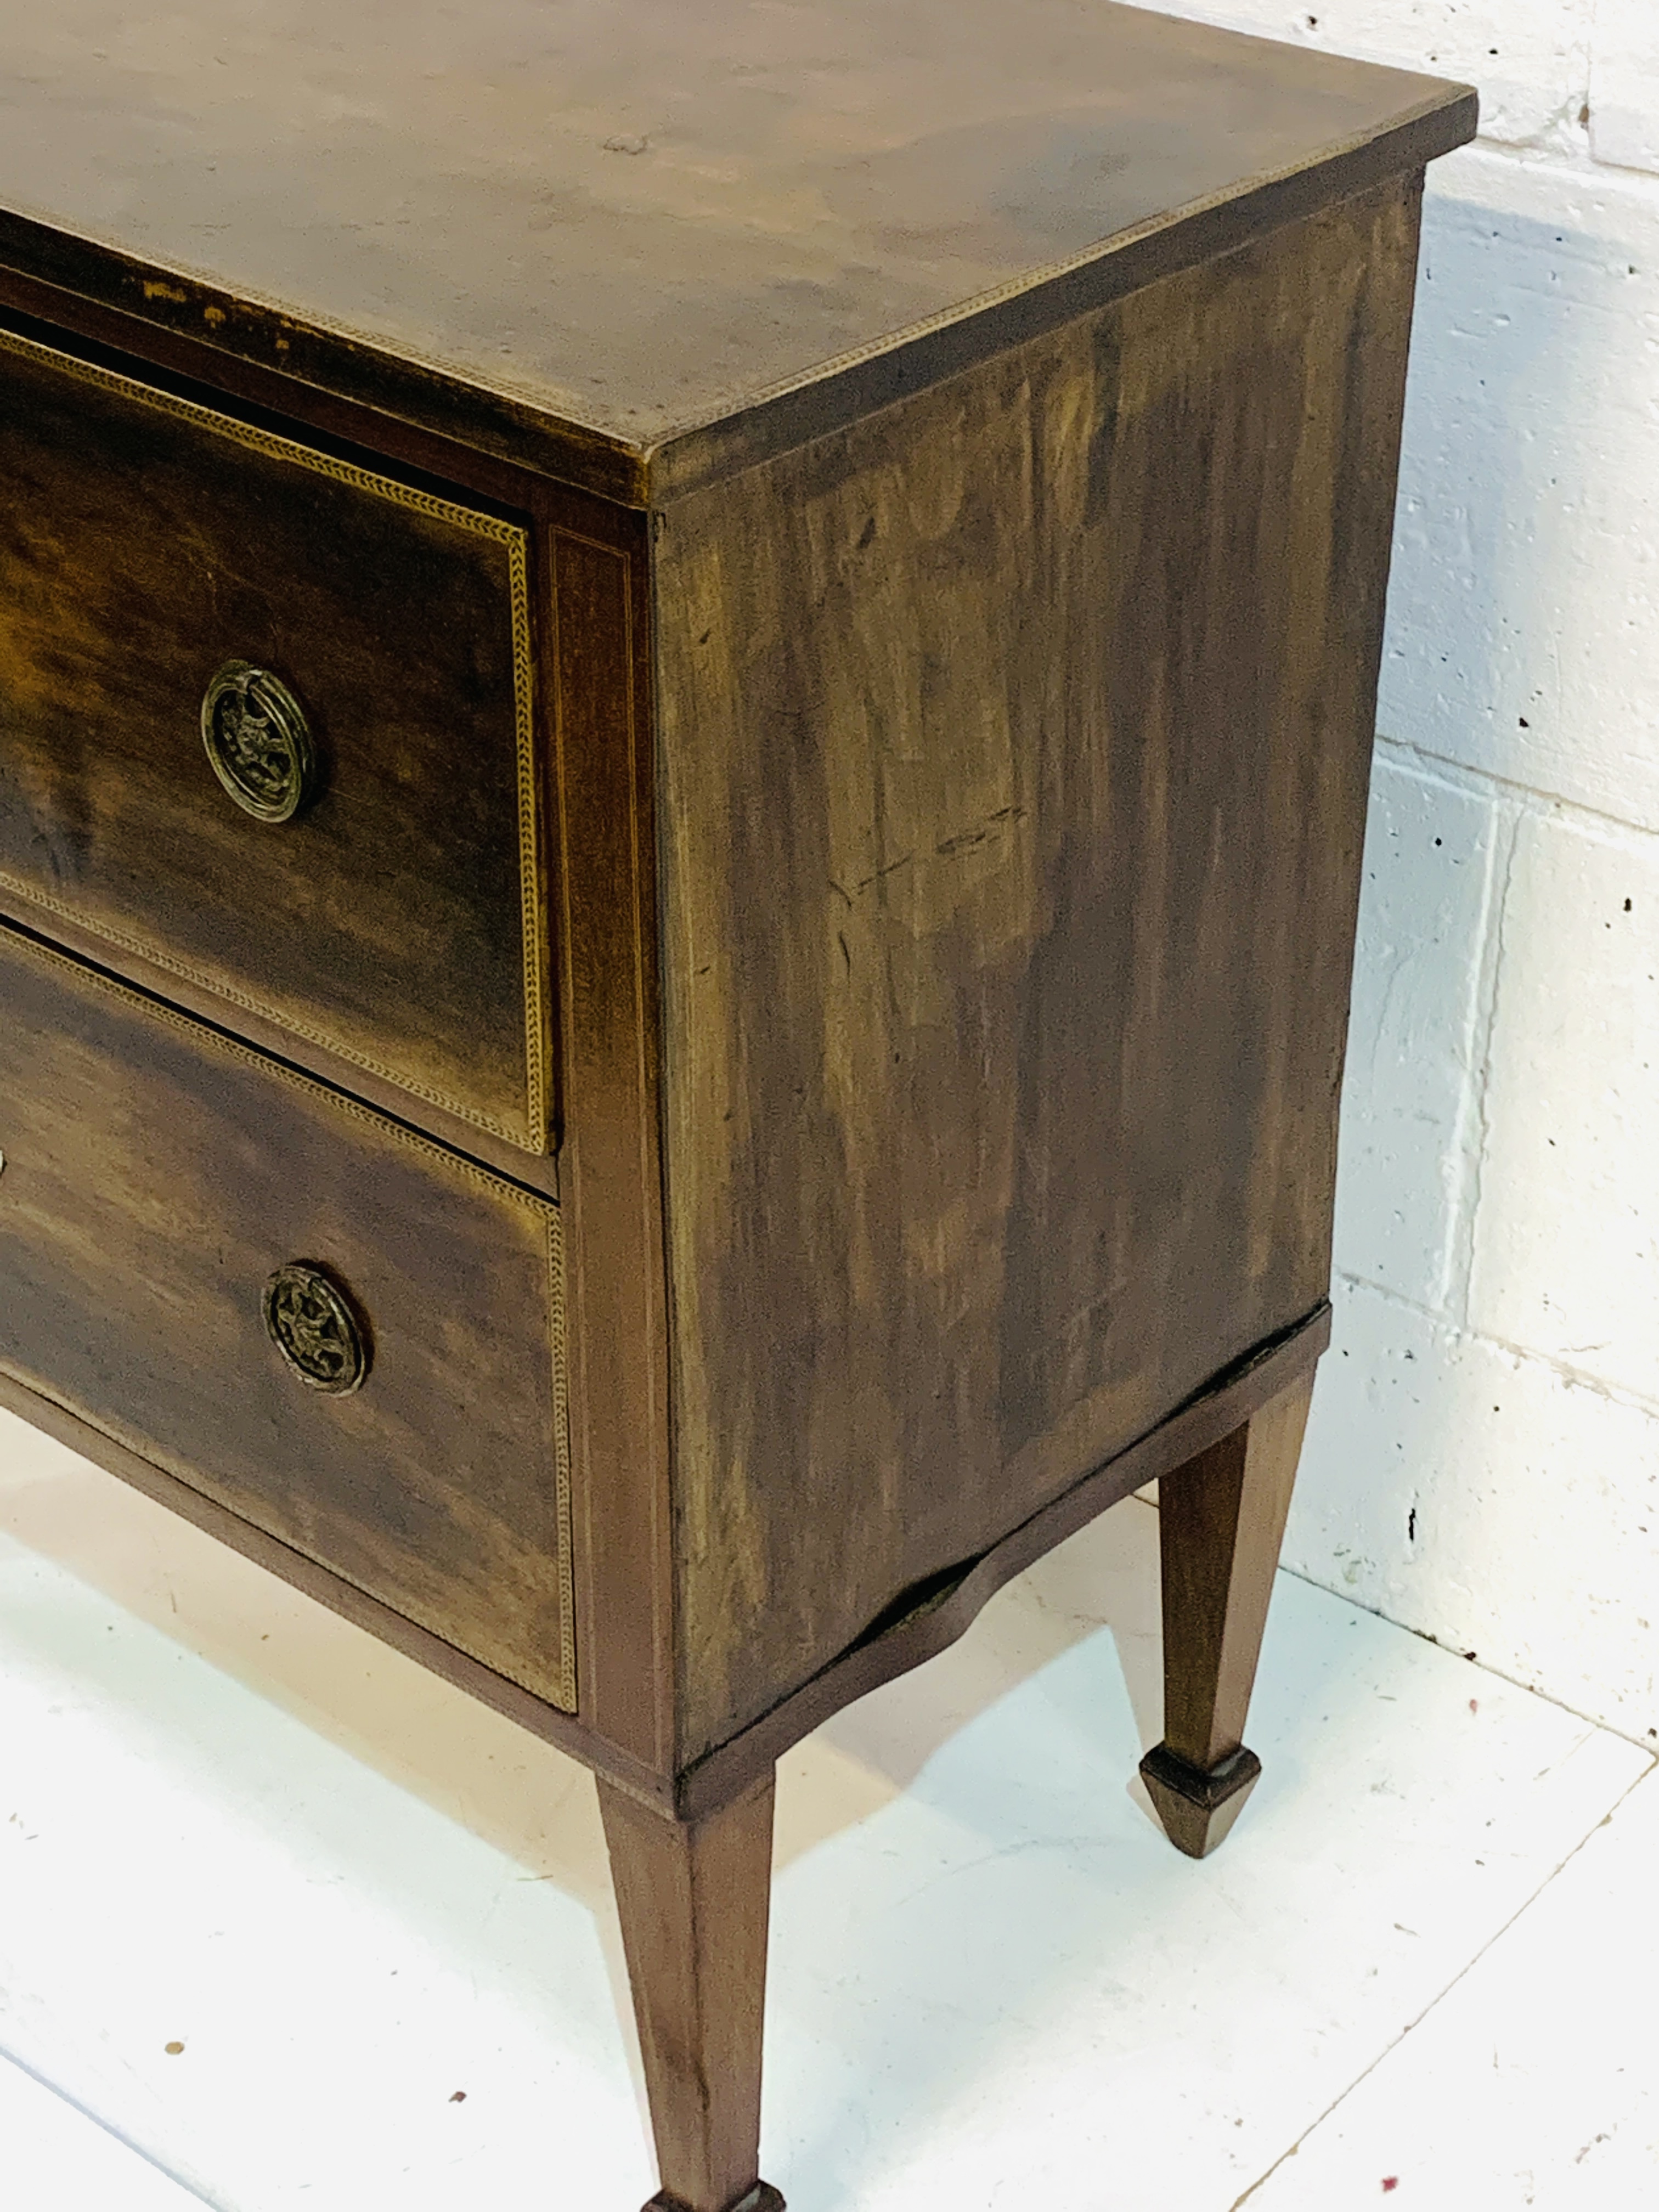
pixel 1015 747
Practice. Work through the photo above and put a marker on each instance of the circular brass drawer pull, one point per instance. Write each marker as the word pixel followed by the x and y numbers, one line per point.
pixel 313 1324
pixel 259 741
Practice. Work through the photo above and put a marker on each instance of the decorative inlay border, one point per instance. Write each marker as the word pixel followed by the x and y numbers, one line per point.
pixel 533 914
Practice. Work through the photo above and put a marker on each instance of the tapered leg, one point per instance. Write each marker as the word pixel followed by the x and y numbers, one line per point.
pixel 694 1898
pixel 1221 1521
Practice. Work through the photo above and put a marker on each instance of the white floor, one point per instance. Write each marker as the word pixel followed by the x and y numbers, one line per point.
pixel 286 1923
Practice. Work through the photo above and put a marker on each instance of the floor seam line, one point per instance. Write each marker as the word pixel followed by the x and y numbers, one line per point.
pixel 1462 1973
pixel 41 2081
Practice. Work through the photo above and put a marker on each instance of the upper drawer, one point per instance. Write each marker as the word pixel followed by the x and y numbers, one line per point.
pixel 147 546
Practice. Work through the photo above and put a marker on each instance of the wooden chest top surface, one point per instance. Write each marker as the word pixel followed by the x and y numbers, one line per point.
pixel 641 217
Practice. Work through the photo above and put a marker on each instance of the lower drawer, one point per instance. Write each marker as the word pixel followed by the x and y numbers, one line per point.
pixel 347 1334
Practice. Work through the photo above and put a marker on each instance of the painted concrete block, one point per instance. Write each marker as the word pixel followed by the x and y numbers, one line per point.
pixel 1487 1500
pixel 1567 1229
pixel 1528 57
pixel 1409 1128
pixel 1625 83
pixel 1523 632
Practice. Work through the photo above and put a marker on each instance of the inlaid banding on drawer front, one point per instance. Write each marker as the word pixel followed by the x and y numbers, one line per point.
pixel 399 921
pixel 159 1176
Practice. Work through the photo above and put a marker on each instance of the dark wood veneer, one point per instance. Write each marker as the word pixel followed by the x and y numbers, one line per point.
pixel 145 541
pixel 881 193
pixel 156 1176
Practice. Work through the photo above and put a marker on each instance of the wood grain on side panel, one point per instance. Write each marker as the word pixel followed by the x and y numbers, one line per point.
pixel 1015 746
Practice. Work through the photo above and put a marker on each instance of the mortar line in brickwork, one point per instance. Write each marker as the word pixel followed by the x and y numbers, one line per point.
pixel 1616 1394
pixel 1484 783
pixel 1544 152
pixel 1580 1378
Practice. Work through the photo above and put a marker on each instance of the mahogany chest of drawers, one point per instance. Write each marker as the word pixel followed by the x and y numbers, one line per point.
pixel 686 701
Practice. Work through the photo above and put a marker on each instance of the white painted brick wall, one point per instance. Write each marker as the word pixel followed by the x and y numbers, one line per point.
pixel 1531 58
pixel 1527 559
pixel 1625 84
pixel 1483 1460
pixel 1566 1233
pixel 1433 851
pixel 1488 1500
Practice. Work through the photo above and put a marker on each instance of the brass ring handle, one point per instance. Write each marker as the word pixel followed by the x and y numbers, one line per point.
pixel 313 1324
pixel 259 741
